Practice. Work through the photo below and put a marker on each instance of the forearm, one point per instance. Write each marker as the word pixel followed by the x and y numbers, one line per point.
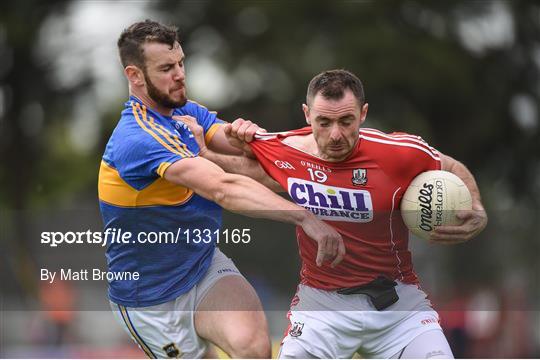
pixel 243 166
pixel 245 196
pixel 459 169
pixel 234 192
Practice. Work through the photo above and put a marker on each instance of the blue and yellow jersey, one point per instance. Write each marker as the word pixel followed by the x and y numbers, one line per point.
pixel 135 199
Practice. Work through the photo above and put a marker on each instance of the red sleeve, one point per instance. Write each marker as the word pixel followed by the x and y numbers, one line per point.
pixel 411 156
pixel 268 151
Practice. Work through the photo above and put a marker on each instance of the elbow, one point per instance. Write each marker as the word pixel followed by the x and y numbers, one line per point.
pixel 221 190
pixel 219 195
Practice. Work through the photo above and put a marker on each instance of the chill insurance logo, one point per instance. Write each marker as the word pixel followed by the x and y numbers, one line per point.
pixel 330 202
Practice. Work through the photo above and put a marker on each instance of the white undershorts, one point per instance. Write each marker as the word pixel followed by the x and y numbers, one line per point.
pixel 168 330
pixel 325 324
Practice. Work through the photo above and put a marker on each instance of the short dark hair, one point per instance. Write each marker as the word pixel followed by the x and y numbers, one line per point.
pixel 131 40
pixel 332 85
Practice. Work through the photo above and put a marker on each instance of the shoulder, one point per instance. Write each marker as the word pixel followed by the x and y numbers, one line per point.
pixel 192 107
pixel 304 142
pixel 398 141
pixel 138 133
pixel 134 125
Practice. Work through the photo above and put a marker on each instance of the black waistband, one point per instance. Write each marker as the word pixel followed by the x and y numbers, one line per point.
pixel 381 291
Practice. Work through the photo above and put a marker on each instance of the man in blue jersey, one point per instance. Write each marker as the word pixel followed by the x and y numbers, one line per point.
pixel 152 182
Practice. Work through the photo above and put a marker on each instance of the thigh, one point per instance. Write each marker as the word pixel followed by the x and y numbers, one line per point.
pixel 429 345
pixel 162 331
pixel 230 310
pixel 387 332
pixel 294 350
pixel 320 327
pixel 308 337
pixel 321 335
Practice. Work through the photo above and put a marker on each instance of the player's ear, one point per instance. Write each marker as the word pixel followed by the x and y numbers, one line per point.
pixel 305 109
pixel 363 113
pixel 134 75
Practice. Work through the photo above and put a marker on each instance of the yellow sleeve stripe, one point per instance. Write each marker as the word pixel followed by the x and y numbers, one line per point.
pixel 177 139
pixel 167 135
pixel 162 167
pixel 211 132
pixel 153 125
pixel 155 136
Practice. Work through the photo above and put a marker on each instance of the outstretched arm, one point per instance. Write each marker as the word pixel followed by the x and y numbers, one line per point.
pixel 475 220
pixel 242 165
pixel 245 196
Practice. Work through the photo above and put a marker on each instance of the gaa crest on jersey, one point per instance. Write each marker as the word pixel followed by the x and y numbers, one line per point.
pixel 359 177
pixel 296 329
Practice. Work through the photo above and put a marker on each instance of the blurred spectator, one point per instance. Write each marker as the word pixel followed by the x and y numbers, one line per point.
pixel 57 300
pixel 453 323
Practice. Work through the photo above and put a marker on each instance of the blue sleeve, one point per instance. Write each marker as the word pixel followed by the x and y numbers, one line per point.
pixel 141 155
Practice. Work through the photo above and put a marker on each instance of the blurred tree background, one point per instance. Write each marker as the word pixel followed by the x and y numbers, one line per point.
pixel 465 75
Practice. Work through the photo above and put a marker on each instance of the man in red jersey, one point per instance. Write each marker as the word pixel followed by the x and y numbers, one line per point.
pixel 354 178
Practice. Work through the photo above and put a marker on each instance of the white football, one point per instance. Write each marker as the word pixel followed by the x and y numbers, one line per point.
pixel 432 199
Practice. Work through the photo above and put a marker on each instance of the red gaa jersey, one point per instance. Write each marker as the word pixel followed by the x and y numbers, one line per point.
pixel 359 197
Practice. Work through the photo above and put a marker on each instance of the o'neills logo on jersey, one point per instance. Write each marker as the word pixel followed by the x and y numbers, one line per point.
pixel 332 203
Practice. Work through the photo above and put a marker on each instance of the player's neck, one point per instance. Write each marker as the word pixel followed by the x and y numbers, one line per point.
pixel 151 104
pixel 305 143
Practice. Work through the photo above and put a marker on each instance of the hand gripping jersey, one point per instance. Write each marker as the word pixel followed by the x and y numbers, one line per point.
pixel 135 198
pixel 359 197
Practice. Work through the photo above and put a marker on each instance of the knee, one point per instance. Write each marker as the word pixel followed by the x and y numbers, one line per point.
pixel 253 345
